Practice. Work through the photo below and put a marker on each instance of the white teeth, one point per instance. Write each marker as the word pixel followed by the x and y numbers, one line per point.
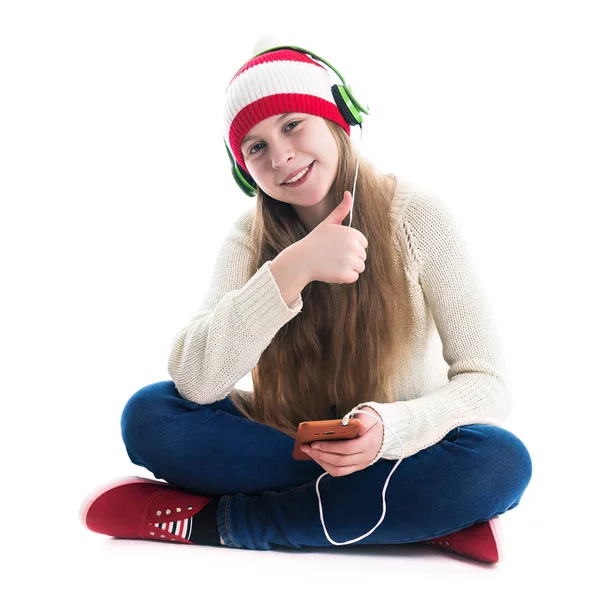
pixel 299 176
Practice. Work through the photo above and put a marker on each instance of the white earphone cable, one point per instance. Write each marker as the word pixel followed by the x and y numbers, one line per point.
pixel 344 422
pixel 355 175
pixel 351 413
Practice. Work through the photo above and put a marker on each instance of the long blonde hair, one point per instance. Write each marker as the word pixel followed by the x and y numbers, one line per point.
pixel 345 345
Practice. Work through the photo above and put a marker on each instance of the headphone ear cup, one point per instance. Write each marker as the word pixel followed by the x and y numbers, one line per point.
pixel 243 179
pixel 349 111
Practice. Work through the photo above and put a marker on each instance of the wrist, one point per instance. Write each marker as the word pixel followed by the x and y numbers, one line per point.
pixel 288 275
pixel 295 264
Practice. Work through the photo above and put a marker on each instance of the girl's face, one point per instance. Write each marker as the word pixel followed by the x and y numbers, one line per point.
pixel 281 146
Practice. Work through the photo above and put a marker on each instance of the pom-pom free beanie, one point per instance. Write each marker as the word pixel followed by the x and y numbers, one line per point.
pixel 274 83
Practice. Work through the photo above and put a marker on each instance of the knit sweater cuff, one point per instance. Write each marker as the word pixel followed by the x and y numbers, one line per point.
pixel 263 305
pixel 395 417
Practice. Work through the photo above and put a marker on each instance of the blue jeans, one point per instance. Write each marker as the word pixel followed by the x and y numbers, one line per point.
pixel 268 499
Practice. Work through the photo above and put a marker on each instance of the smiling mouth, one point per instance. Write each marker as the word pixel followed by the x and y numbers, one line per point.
pixel 300 175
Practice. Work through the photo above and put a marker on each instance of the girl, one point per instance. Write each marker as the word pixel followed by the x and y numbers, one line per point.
pixel 384 321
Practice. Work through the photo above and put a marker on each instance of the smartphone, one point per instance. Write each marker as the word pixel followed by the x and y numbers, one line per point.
pixel 313 431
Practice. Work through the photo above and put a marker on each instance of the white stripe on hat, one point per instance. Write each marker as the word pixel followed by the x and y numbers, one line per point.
pixel 276 77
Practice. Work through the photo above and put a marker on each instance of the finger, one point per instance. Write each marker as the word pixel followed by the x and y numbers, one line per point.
pixel 361 250
pixel 340 212
pixel 341 471
pixel 363 426
pixel 331 469
pixel 349 447
pixel 359 266
pixel 368 423
pixel 337 470
pixel 335 460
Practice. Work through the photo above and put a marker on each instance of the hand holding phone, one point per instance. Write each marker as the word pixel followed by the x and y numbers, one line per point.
pixel 314 431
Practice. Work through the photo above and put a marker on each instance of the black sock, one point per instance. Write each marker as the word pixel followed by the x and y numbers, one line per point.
pixel 204 526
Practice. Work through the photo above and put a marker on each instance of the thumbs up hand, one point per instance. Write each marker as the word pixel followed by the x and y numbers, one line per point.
pixel 332 252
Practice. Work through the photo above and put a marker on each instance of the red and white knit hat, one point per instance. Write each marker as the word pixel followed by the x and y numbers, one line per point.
pixel 274 83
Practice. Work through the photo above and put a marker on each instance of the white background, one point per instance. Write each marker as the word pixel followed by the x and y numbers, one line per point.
pixel 116 194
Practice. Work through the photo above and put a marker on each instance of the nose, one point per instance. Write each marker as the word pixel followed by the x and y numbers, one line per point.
pixel 281 153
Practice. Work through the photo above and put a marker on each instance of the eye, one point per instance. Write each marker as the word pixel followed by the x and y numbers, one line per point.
pixel 254 150
pixel 251 151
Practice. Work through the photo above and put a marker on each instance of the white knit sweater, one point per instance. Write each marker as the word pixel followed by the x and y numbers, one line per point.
pixel 456 373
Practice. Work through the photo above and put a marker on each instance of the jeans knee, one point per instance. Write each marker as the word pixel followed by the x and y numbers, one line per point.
pixel 512 458
pixel 139 414
pixel 522 461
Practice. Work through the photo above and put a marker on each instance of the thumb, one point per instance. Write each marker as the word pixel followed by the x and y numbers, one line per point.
pixel 366 421
pixel 340 212
pixel 364 424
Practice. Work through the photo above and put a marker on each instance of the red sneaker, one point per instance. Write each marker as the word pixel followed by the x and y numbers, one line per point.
pixel 138 508
pixel 479 541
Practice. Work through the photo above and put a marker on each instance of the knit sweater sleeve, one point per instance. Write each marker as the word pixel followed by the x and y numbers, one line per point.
pixel 239 317
pixel 476 391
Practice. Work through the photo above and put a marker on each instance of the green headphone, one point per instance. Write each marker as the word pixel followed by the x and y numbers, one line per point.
pixel 347 104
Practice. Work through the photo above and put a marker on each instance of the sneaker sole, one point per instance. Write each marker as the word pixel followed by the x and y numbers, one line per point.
pixel 497 533
pixel 112 484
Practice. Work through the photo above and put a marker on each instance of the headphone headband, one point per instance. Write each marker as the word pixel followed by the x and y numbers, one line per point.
pixel 317 57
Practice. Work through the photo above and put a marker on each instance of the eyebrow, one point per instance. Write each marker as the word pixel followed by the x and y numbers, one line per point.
pixel 253 137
